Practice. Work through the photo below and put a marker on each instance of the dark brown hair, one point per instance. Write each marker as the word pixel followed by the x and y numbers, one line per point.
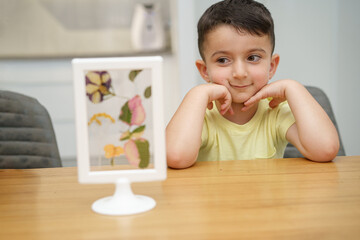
pixel 244 15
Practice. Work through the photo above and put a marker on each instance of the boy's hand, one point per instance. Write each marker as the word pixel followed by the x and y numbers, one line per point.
pixel 221 94
pixel 275 90
pixel 183 143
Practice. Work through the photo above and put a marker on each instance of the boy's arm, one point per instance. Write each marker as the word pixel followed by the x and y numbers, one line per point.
pixel 183 133
pixel 313 133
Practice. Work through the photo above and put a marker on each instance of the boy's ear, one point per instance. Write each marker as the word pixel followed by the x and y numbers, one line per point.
pixel 201 66
pixel 275 59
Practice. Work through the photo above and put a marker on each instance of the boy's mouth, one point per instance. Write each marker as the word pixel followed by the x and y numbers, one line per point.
pixel 240 86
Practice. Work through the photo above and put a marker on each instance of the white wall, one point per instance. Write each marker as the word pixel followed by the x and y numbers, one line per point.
pixel 348 74
pixel 185 50
pixel 318 42
pixel 306 41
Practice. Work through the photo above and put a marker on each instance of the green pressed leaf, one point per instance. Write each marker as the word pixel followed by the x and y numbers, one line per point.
pixel 143 148
pixel 125 136
pixel 133 74
pixel 139 129
pixel 125 115
pixel 147 92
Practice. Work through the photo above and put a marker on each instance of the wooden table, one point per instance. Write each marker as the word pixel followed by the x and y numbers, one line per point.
pixel 258 199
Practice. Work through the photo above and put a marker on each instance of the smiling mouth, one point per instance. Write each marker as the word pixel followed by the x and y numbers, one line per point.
pixel 240 86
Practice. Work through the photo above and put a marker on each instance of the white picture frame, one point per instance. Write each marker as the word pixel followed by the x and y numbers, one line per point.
pixel 153 65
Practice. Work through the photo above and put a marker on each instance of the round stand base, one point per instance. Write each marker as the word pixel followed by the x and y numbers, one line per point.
pixel 123 202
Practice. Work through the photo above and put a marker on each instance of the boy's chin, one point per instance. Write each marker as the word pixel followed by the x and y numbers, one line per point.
pixel 240 100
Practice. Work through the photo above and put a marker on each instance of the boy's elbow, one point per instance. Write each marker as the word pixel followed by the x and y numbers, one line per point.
pixel 179 160
pixel 327 153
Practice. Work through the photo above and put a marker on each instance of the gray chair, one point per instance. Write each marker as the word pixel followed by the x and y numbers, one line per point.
pixel 323 100
pixel 27 138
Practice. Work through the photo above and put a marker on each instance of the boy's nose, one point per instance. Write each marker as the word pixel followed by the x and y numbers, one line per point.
pixel 239 71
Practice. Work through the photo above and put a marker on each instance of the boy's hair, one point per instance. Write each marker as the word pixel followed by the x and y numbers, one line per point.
pixel 244 15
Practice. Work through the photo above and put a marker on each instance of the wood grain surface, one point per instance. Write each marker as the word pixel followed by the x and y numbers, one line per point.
pixel 255 199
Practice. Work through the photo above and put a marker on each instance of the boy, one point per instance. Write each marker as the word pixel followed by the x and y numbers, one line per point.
pixel 237 114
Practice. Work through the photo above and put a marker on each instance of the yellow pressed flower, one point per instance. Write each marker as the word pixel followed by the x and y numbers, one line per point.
pixel 112 151
pixel 97 115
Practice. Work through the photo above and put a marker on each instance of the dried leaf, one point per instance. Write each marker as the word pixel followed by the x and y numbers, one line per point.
pixel 125 114
pixel 133 74
pixel 144 153
pixel 139 129
pixel 125 136
pixel 147 92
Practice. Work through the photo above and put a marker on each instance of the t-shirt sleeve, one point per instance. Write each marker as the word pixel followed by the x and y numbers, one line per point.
pixel 285 119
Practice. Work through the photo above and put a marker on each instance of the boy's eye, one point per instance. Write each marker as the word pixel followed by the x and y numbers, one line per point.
pixel 222 60
pixel 254 58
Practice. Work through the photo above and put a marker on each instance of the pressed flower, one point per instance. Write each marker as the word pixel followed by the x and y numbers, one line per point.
pixel 133 112
pixel 97 115
pixel 98 84
pixel 112 151
pixel 137 152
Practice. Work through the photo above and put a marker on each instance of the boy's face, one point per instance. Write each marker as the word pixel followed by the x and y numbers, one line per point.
pixel 242 62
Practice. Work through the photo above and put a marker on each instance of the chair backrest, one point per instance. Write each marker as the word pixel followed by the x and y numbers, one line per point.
pixel 323 100
pixel 27 137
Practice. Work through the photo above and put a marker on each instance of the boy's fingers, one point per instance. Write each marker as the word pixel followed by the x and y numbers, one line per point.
pixel 245 108
pixel 252 101
pixel 257 97
pixel 231 111
pixel 275 102
pixel 227 109
pixel 224 107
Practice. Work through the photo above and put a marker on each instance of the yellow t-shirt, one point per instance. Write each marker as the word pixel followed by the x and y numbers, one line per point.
pixel 264 136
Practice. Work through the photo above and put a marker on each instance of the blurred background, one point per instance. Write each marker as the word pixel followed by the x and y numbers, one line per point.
pixel 317 40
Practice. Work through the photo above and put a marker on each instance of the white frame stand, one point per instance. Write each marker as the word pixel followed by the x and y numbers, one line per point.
pixel 123 202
